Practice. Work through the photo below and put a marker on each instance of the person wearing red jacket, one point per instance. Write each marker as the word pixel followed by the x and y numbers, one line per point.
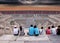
pixel 48 31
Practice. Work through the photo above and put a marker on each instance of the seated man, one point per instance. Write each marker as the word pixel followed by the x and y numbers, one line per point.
pixel 36 31
pixel 58 30
pixel 21 32
pixel 31 31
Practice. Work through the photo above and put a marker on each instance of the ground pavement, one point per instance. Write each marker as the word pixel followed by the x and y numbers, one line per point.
pixel 29 39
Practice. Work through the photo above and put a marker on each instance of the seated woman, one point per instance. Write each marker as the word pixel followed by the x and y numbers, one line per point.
pixel 31 31
pixel 36 31
pixel 53 30
pixel 21 32
pixel 15 31
pixel 58 30
pixel 42 31
pixel 48 31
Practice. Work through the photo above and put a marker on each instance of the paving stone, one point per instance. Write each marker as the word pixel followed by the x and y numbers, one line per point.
pixel 37 42
pixel 4 41
pixel 7 38
pixel 58 41
pixel 23 38
pixel 54 38
pixel 16 42
pixel 33 38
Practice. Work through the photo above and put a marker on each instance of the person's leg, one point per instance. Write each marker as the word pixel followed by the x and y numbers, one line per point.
pixel 58 33
pixel 39 32
pixel 24 34
pixel 36 34
pixel 15 34
pixel 28 33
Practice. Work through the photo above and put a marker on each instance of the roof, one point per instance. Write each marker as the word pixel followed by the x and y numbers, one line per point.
pixel 29 7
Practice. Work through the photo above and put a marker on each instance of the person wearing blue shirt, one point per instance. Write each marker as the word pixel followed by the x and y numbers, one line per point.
pixel 36 31
pixel 31 30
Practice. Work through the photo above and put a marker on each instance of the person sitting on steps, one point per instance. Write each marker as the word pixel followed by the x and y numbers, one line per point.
pixel 58 30
pixel 48 31
pixel 15 31
pixel 21 32
pixel 36 31
pixel 53 30
pixel 31 31
pixel 42 31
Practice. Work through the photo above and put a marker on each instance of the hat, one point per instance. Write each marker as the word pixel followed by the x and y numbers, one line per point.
pixel 15 25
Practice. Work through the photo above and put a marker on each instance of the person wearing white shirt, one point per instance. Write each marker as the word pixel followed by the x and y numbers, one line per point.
pixel 15 31
pixel 53 30
pixel 42 31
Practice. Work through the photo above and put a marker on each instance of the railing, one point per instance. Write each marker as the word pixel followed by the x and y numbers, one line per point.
pixel 30 12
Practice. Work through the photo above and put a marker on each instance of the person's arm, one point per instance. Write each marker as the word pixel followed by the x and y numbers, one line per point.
pixel 46 30
pixel 56 30
pixel 51 31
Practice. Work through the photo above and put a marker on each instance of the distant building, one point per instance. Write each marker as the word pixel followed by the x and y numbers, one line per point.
pixel 50 2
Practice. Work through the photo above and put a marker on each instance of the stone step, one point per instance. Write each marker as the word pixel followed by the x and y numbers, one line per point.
pixel 57 16
pixel 4 41
pixel 17 42
pixel 54 17
pixel 23 38
pixel 33 38
pixel 52 21
pixel 11 37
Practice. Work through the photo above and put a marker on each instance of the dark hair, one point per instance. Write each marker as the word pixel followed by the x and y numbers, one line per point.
pixel 41 27
pixel 59 27
pixel 20 28
pixel 52 26
pixel 15 27
pixel 49 27
pixel 31 25
pixel 35 26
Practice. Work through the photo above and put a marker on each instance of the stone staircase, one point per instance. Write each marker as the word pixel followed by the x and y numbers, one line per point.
pixel 5 26
pixel 27 20
pixel 54 19
pixel 18 39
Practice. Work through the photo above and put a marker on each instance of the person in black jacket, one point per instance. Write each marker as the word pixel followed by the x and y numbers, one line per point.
pixel 58 30
pixel 21 32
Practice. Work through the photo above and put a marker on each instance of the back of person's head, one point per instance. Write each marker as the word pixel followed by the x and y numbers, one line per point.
pixel 20 28
pixel 59 27
pixel 31 25
pixel 15 26
pixel 41 27
pixel 53 27
pixel 49 27
pixel 35 26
